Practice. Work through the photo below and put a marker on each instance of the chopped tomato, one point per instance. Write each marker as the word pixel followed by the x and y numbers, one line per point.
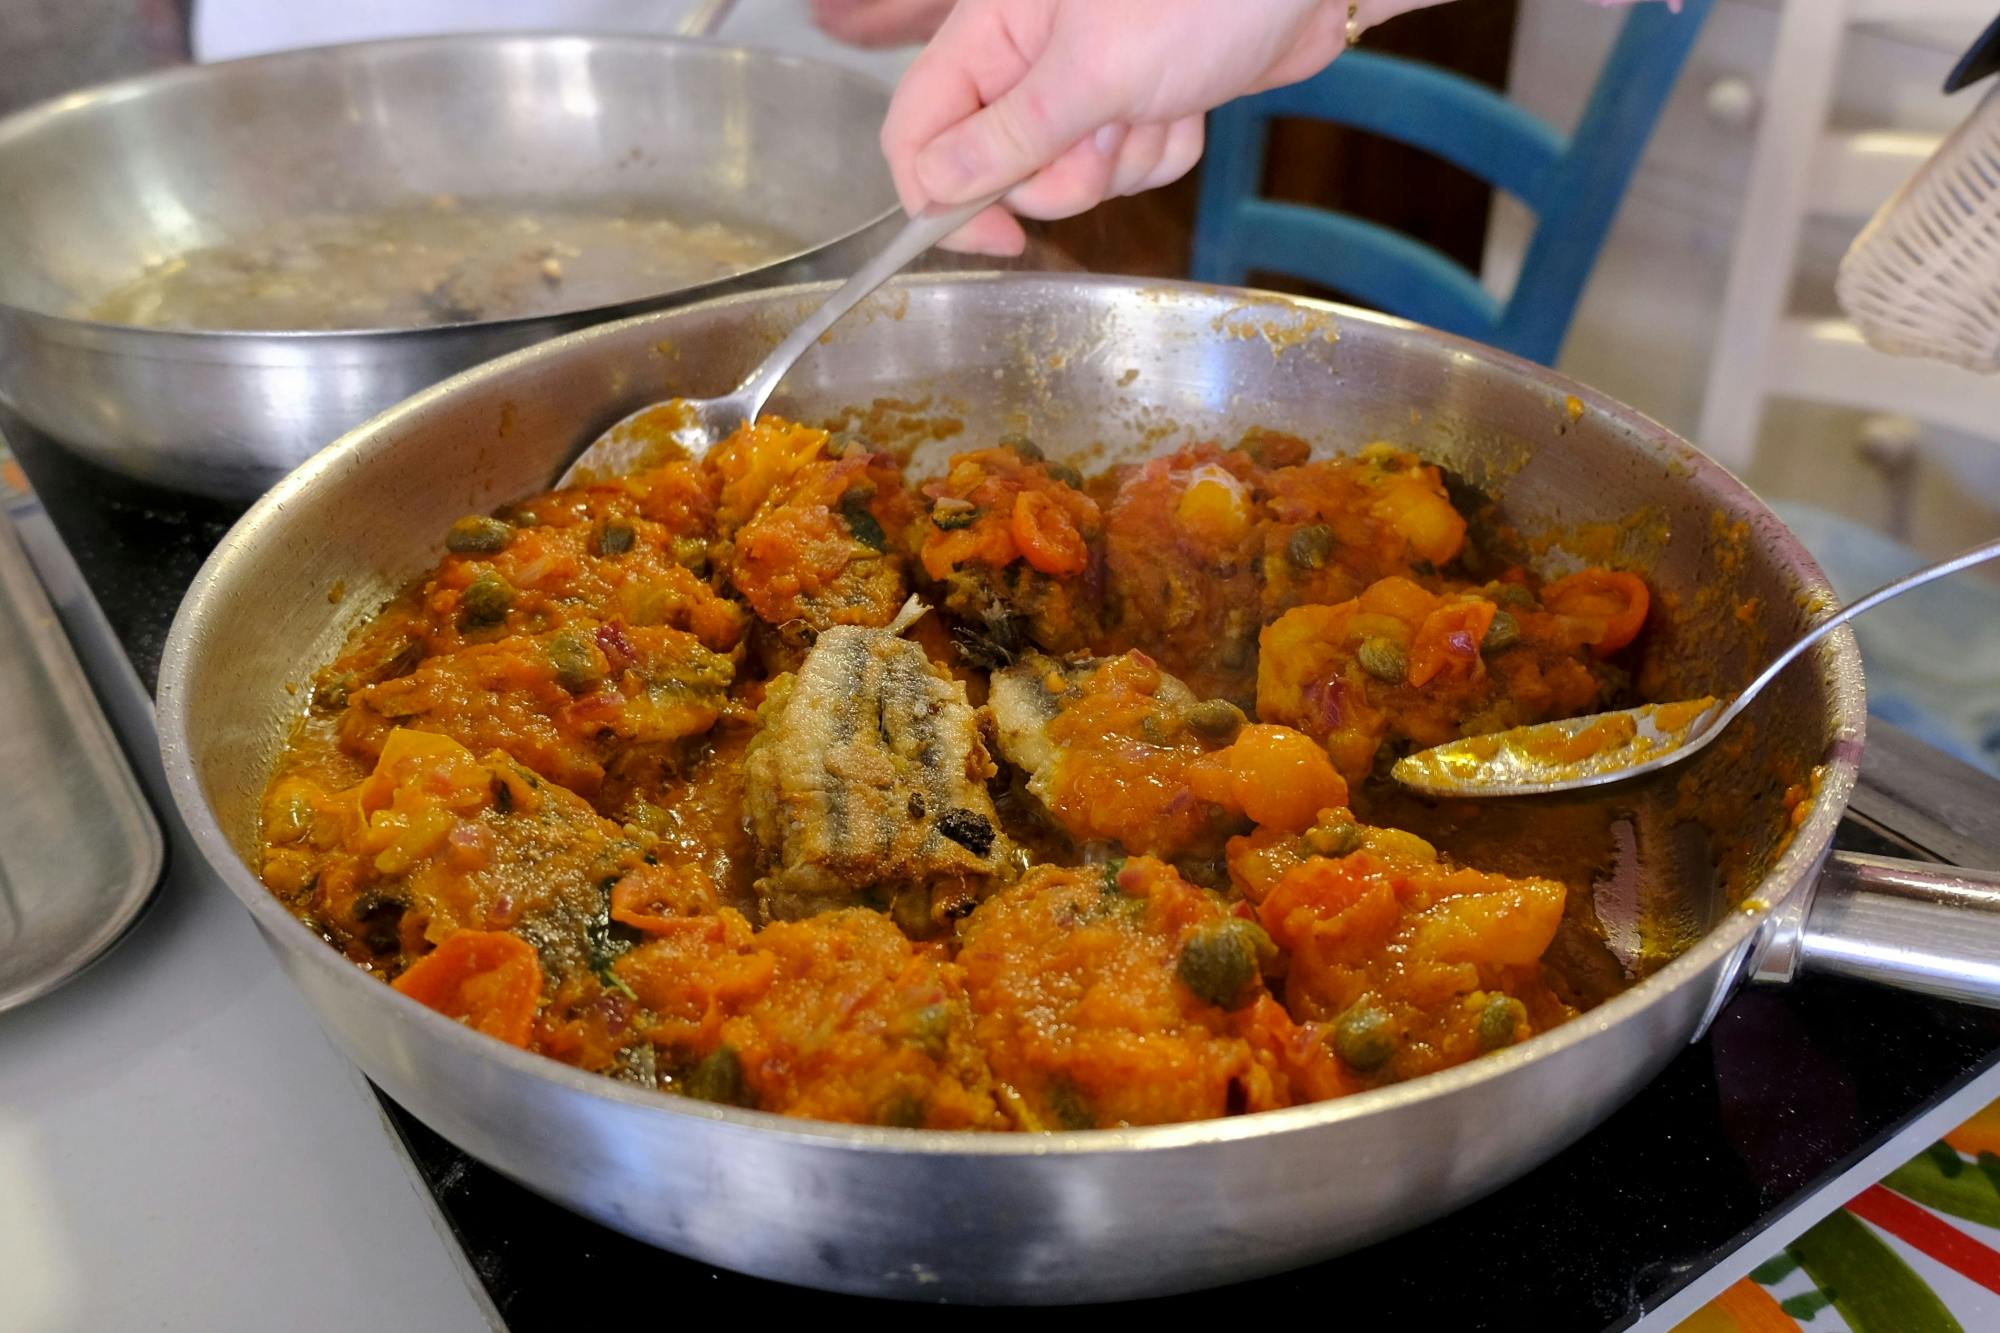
pixel 657 898
pixel 1276 776
pixel 1047 538
pixel 1608 606
pixel 987 542
pixel 1447 641
pixel 448 771
pixel 488 980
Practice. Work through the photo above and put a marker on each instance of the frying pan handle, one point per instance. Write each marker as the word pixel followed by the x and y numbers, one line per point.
pixel 1909 924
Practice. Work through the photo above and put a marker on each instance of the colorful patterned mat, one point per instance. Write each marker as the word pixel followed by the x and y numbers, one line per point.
pixel 1917 1253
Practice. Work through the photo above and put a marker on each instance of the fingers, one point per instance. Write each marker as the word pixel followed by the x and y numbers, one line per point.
pixel 1137 159
pixel 1026 127
pixel 1185 138
pixel 1035 97
pixel 1115 161
pixel 879 23
pixel 1323 37
pixel 972 58
pixel 994 232
pixel 1078 180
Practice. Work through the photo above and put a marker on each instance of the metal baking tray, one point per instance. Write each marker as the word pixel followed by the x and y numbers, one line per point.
pixel 81 852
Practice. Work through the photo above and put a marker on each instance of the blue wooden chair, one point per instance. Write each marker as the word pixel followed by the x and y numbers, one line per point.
pixel 1572 183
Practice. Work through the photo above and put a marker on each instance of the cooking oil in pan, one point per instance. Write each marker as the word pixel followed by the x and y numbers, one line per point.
pixel 438 262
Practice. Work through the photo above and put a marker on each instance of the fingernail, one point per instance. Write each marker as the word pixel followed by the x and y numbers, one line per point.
pixel 947 169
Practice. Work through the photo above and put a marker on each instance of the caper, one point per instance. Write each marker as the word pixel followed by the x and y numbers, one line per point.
pixel 691 552
pixel 1220 962
pixel 380 916
pixel 1365 1037
pixel 1336 837
pixel 903 1110
pixel 1504 632
pixel 376 905
pixel 930 1030
pixel 950 518
pixel 477 535
pixel 1154 729
pixel 1216 719
pixel 1273 449
pixel 1067 475
pixel 1508 594
pixel 647 817
pixel 576 665
pixel 1068 1107
pixel 717 1077
pixel 615 537
pixel 860 521
pixel 486 600
pixel 1384 659
pixel 332 693
pixel 400 661
pixel 1310 546
pixel 1022 445
pixel 1117 906
pixel 1499 1021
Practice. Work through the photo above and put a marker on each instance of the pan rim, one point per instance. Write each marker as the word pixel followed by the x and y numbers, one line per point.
pixel 1730 944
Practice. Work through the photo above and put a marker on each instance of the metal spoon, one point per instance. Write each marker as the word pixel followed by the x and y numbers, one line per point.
pixel 1611 747
pixel 706 17
pixel 698 424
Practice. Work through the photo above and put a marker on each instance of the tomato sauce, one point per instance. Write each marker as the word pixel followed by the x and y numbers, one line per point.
pixel 520 794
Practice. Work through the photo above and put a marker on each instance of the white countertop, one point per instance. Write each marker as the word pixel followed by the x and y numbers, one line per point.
pixel 181 1148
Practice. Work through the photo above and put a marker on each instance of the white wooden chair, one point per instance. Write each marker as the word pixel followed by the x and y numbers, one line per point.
pixel 1801 169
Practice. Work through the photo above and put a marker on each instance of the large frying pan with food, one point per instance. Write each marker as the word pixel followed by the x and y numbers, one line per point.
pixel 1717 876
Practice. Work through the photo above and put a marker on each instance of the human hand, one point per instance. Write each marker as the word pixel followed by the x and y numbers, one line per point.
pixel 1082 100
pixel 880 23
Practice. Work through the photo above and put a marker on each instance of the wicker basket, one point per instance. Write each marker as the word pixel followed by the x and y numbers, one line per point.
pixel 1923 278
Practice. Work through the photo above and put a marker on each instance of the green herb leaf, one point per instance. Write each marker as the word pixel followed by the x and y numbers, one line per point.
pixel 854 508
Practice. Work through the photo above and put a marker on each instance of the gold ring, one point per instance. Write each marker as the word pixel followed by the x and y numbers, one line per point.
pixel 1353 22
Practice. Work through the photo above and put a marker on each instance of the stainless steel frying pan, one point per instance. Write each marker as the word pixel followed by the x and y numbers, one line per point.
pixel 1077 362
pixel 102 183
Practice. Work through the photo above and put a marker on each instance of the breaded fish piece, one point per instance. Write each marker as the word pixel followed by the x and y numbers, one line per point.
pixel 868 785
pixel 1107 744
pixel 1024 704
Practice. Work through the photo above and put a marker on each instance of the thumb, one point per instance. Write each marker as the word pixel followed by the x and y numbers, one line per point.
pixel 1001 145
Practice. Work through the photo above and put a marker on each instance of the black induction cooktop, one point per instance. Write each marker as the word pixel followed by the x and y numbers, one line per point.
pixel 1788 1088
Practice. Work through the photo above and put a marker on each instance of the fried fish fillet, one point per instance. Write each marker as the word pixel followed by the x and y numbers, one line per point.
pixel 1107 744
pixel 868 785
